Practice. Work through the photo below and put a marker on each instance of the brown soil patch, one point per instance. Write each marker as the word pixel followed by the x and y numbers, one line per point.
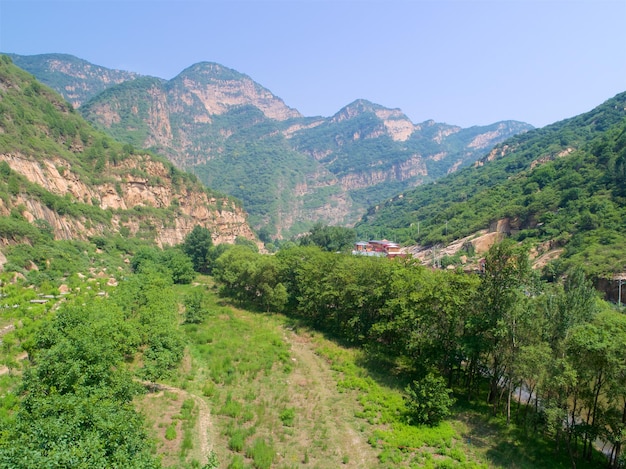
pixel 546 258
pixel 313 392
pixel 162 409
pixel 21 357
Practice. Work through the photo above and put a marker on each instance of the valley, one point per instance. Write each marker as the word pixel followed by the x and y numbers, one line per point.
pixel 144 324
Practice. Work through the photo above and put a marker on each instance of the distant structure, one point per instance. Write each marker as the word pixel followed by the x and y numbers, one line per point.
pixel 382 248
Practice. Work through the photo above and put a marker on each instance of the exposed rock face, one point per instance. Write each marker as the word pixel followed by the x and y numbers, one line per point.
pixel 219 89
pixel 486 139
pixel 403 171
pixel 126 191
pixel 393 122
pixel 229 130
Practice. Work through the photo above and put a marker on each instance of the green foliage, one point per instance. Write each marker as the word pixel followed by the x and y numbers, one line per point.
pixel 83 86
pixel 287 416
pixel 197 245
pixel 147 298
pixel 195 311
pixel 171 262
pixel 251 278
pixel 179 264
pixel 428 400
pixel 493 334
pixel 262 453
pixel 237 440
pixel 170 432
pixel 78 387
pixel 330 238
pixel 562 183
pixel 133 129
pixel 241 241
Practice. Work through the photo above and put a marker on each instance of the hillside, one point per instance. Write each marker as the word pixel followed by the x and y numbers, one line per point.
pixel 290 171
pixel 560 188
pixel 63 178
pixel 76 79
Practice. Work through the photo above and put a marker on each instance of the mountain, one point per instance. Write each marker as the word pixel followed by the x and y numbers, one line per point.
pixel 62 177
pixel 289 170
pixel 561 188
pixel 76 79
pixel 376 152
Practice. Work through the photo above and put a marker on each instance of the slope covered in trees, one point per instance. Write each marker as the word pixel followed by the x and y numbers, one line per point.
pixel 562 184
pixel 78 344
pixel 78 79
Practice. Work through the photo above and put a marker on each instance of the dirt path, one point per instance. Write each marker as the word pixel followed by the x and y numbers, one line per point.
pixel 5 370
pixel 313 392
pixel 204 428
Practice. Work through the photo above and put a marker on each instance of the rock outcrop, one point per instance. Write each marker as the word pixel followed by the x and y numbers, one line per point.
pixel 123 194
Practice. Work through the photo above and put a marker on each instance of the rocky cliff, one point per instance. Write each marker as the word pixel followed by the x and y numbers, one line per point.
pixel 76 79
pixel 124 196
pixel 60 173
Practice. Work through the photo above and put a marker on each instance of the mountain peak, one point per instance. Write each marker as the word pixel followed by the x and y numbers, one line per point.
pixel 211 71
pixel 392 122
pixel 221 88
pixel 81 80
pixel 363 106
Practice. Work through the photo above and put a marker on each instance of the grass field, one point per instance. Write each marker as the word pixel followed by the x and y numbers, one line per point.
pixel 258 391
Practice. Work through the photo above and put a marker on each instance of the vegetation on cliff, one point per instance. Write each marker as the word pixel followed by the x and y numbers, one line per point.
pixel 562 184
pixel 65 176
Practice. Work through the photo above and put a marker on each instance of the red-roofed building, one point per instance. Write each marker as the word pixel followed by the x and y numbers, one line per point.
pixel 380 248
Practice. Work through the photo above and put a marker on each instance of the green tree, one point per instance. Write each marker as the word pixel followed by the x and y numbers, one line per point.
pixel 596 352
pixel 195 312
pixel 330 238
pixel 179 264
pixel 197 245
pixel 502 314
pixel 427 400
pixel 241 241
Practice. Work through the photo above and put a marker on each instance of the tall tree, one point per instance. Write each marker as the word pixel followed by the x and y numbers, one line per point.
pixel 197 245
pixel 502 297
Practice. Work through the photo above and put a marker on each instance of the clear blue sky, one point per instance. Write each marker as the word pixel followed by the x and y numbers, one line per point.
pixel 461 62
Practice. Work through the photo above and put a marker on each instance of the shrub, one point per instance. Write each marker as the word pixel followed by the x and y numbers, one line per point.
pixel 287 417
pixel 428 401
pixel 261 453
pixel 170 432
pixel 237 440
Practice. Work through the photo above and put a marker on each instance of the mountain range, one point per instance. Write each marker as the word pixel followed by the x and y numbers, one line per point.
pixel 290 171
pixel 561 189
pixel 63 179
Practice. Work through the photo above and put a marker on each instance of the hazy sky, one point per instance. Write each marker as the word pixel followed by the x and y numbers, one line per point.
pixel 461 62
